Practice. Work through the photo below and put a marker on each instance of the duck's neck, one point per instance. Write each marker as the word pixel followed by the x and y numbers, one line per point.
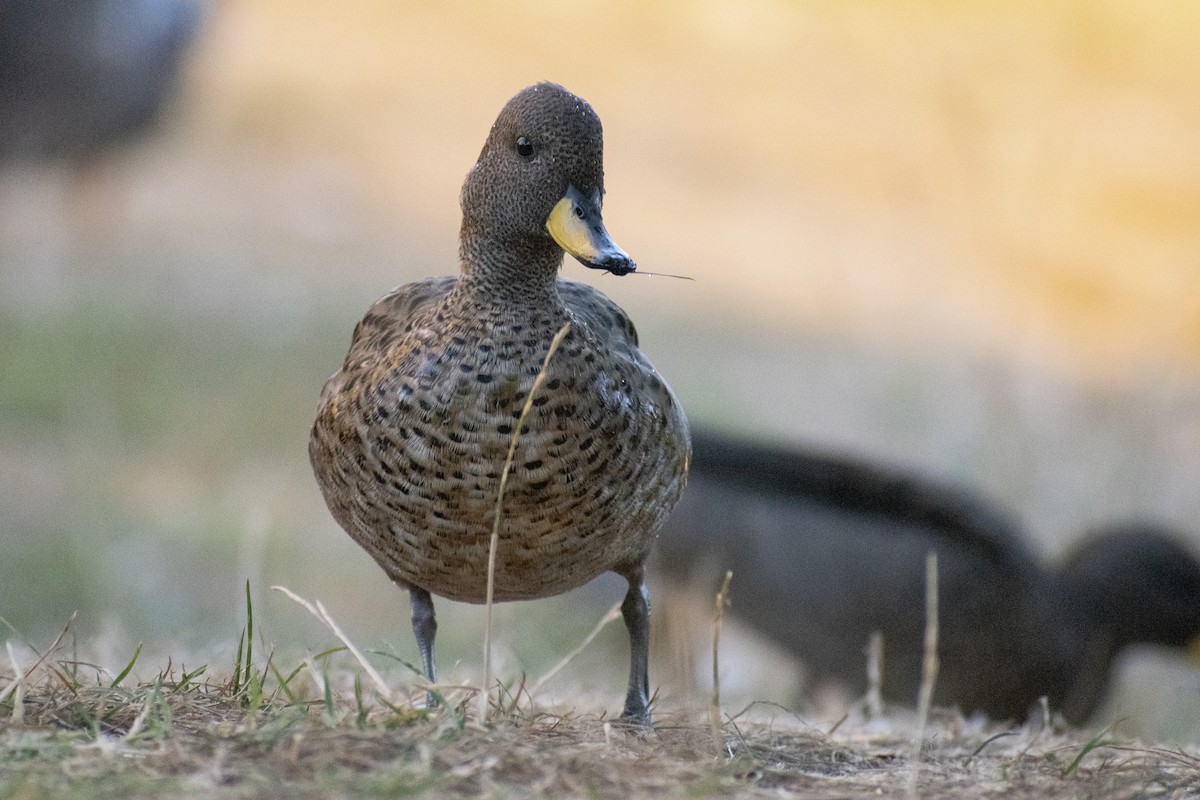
pixel 521 272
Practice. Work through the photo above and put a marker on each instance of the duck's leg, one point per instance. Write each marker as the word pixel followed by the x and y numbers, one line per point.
pixel 636 611
pixel 424 625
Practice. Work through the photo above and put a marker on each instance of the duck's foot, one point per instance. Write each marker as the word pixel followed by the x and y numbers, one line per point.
pixel 635 717
pixel 636 611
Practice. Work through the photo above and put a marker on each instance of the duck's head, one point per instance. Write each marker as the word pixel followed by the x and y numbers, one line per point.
pixel 539 181
pixel 1139 583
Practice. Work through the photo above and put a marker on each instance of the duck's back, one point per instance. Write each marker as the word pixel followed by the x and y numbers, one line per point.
pixel 412 434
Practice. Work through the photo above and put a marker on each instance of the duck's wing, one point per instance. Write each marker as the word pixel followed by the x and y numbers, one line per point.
pixel 393 316
pixel 612 325
pixel 589 305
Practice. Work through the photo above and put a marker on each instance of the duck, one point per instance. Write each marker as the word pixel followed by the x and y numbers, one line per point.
pixel 826 549
pixel 412 433
pixel 79 78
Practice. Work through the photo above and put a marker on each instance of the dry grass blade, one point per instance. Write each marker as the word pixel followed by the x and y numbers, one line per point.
pixel 714 708
pixel 317 675
pixel 321 614
pixel 874 699
pixel 12 687
pixel 494 543
pixel 17 687
pixel 139 722
pixel 612 614
pixel 929 668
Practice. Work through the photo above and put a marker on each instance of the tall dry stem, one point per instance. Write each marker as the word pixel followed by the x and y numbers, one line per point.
pixel 494 543
pixel 929 668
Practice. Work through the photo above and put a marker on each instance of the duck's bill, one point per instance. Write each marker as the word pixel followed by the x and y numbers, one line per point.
pixel 576 225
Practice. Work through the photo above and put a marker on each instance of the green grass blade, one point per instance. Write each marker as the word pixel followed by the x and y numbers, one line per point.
pixel 1096 741
pixel 329 652
pixel 330 711
pixel 185 680
pixel 285 681
pixel 237 664
pixel 361 718
pixel 249 636
pixel 128 668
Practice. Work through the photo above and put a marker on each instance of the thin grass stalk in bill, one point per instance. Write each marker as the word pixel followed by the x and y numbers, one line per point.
pixel 493 544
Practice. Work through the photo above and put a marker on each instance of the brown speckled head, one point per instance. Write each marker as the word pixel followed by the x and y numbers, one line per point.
pixel 544 139
pixel 546 145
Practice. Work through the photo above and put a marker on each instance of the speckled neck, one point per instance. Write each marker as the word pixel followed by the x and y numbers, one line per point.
pixel 507 272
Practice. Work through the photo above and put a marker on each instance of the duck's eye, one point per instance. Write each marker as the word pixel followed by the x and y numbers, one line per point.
pixel 524 147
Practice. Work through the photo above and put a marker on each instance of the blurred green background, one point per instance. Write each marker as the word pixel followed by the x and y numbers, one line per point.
pixel 961 237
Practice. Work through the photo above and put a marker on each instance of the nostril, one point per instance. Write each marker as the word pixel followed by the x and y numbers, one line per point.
pixel 579 211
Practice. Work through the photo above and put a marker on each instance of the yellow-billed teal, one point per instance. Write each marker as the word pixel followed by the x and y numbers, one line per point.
pixel 412 433
pixel 826 549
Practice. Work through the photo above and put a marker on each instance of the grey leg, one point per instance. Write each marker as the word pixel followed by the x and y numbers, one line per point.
pixel 424 628
pixel 636 611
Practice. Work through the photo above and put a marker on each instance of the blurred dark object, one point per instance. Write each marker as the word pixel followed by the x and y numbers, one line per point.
pixel 824 551
pixel 80 76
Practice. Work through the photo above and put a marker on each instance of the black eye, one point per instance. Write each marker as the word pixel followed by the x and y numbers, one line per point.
pixel 524 147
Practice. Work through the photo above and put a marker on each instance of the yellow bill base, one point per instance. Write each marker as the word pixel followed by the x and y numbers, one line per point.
pixel 570 232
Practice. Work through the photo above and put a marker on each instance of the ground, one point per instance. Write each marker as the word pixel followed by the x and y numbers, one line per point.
pixel 71 731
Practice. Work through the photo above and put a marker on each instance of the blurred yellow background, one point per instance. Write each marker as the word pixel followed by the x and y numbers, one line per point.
pixel 961 237
pixel 1024 177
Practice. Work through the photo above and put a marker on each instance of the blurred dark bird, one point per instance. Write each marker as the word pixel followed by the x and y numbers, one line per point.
pixel 412 433
pixel 826 550
pixel 78 77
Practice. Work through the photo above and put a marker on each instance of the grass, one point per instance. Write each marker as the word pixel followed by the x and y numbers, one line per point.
pixel 70 729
